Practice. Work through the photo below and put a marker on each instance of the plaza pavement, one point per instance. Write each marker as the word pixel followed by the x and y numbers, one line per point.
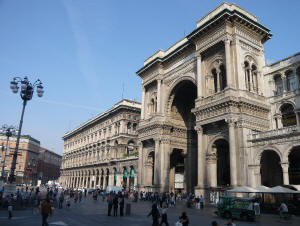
pixel 91 213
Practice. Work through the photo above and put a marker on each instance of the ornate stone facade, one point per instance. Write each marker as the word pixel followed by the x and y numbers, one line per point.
pixel 103 151
pixel 207 100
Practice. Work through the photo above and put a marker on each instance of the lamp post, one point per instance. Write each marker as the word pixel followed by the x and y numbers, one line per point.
pixel 8 131
pixel 26 93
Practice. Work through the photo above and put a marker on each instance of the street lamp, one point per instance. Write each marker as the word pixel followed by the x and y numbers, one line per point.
pixel 26 93
pixel 8 131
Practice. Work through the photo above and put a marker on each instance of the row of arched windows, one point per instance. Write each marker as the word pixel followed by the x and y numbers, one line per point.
pixel 287 81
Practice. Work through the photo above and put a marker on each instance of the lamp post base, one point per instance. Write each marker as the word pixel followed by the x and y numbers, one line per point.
pixel 10 188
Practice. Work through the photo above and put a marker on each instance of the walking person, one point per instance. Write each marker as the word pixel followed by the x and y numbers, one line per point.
pixel 10 208
pixel 115 204
pixel 68 201
pixel 155 215
pixel 61 200
pixel 110 204
pixel 184 220
pixel 197 203
pixel 122 206
pixel 201 202
pixel 80 196
pixel 164 217
pixel 45 211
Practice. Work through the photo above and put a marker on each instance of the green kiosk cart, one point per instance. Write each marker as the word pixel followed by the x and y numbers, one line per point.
pixel 236 207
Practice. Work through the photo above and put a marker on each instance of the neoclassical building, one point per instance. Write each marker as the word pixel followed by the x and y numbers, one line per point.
pixel 103 151
pixel 214 115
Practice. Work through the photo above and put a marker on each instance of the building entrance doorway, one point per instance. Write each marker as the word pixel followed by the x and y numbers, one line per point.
pixel 270 170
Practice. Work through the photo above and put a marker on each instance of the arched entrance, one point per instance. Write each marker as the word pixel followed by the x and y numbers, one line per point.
pixel 184 95
pixel 124 177
pixel 270 170
pixel 294 166
pixel 131 178
pixel 177 171
pixel 115 176
pixel 219 164
pixel 102 179
pixel 107 178
pixel 97 178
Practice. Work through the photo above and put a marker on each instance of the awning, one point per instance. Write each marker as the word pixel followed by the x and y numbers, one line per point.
pixel 262 189
pixel 243 189
pixel 283 190
pixel 297 187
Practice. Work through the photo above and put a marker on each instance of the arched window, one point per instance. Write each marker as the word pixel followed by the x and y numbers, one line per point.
pixel 288 115
pixel 278 84
pixel 290 81
pixel 219 76
pixel 128 127
pixel 130 147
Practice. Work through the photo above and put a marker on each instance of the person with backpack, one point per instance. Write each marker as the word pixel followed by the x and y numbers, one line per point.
pixel 45 211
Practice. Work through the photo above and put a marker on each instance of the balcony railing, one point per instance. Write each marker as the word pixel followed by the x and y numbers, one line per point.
pixel 274 133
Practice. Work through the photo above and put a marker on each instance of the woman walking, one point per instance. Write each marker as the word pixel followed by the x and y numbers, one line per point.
pixel 164 217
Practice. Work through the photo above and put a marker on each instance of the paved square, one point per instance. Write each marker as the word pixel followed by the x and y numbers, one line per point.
pixel 90 213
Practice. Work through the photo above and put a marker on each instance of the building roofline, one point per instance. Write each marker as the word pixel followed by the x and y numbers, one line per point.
pixel 278 61
pixel 209 18
pixel 45 149
pixel 118 105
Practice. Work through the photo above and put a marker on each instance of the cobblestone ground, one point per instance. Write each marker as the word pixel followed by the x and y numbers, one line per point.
pixel 90 212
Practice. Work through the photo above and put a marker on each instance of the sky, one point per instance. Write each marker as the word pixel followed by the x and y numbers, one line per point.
pixel 86 52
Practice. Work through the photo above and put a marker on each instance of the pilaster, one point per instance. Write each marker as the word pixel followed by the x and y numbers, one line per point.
pixel 233 152
pixel 285 172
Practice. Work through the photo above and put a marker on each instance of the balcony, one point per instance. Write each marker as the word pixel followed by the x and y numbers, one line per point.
pixel 272 134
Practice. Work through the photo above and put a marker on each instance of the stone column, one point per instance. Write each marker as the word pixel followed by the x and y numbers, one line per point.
pixel 250 79
pixel 297 117
pixel 284 84
pixel 156 163
pixel 254 170
pixel 199 76
pixel 233 154
pixel 211 161
pixel 140 165
pixel 122 126
pixel 165 165
pixel 158 95
pixel 143 103
pixel 218 80
pixel 199 190
pixel 229 75
pixel 285 171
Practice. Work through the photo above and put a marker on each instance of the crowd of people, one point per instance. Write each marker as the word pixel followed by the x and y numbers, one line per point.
pixel 161 202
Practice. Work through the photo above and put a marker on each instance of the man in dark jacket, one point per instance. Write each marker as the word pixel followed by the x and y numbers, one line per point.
pixel 115 204
pixel 122 206
pixel 45 211
pixel 110 204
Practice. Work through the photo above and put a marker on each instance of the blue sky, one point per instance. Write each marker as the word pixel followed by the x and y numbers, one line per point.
pixel 85 50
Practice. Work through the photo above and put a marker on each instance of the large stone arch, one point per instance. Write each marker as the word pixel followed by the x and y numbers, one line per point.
pixel 170 96
pixel 279 105
pixel 258 154
pixel 213 140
